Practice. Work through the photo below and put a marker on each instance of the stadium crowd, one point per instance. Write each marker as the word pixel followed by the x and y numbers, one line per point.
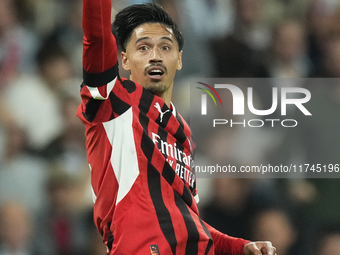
pixel 45 193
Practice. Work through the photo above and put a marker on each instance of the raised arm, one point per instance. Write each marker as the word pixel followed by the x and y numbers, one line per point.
pixel 100 68
pixel 99 45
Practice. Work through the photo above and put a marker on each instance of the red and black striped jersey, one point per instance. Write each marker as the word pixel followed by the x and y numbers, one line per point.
pixel 140 154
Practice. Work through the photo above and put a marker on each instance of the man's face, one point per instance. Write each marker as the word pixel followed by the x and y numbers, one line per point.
pixel 152 56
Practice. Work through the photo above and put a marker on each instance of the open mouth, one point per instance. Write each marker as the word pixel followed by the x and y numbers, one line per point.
pixel 156 73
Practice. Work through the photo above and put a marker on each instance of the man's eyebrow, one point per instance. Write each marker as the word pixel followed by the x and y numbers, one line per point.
pixel 167 38
pixel 141 39
pixel 146 38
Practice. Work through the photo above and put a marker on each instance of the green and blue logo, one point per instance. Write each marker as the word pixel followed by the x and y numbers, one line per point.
pixel 204 97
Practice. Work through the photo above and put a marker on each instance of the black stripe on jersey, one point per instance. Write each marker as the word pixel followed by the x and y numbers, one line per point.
pixel 147 146
pixel 129 85
pixel 210 243
pixel 146 101
pixel 187 197
pixel 180 135
pixel 144 121
pixel 118 105
pixel 110 237
pixel 168 173
pixel 193 234
pixel 163 215
pixel 100 79
pixel 91 109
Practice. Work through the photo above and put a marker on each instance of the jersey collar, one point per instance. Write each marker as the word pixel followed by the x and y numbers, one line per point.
pixel 173 109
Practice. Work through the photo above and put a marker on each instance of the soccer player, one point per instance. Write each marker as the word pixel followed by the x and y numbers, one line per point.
pixel 139 148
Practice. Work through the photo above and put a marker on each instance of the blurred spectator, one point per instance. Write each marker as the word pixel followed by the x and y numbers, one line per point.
pixel 320 20
pixel 68 33
pixel 276 226
pixel 50 14
pixel 328 242
pixel 55 68
pixel 17 44
pixel 63 228
pixel 25 13
pixel 330 63
pixel 6 121
pixel 249 27
pixel 286 57
pixel 191 15
pixel 236 54
pixel 220 14
pixel 44 16
pixel 22 175
pixel 232 204
pixel 35 101
pixel 278 10
pixel 69 147
pixel 16 234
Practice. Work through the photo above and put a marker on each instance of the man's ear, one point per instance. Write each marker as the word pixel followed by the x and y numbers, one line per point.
pixel 125 62
pixel 179 63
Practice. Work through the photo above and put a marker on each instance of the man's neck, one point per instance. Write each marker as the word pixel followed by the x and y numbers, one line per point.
pixel 166 97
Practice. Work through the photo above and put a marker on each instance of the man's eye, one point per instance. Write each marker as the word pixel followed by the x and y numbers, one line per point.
pixel 143 48
pixel 166 48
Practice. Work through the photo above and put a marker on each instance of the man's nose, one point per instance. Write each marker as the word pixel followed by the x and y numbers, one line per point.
pixel 155 55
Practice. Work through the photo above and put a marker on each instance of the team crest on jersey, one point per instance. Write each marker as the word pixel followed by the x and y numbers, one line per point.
pixel 154 249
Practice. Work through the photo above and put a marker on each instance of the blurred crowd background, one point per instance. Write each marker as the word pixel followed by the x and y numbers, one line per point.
pixel 45 193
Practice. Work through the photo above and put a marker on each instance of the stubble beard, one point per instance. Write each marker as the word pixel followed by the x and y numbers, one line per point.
pixel 157 87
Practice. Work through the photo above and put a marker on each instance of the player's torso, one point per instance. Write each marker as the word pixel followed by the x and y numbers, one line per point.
pixel 148 178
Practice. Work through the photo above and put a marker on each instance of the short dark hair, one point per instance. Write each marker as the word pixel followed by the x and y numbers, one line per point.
pixel 135 15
